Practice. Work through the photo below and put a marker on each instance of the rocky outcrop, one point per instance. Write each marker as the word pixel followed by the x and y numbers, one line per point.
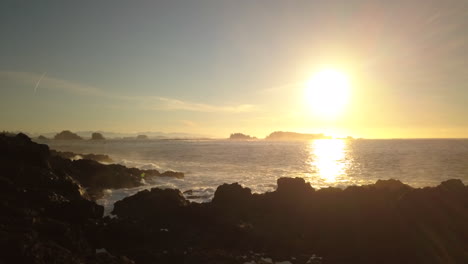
pixel 75 156
pixel 151 205
pixel 45 218
pixel 97 177
pixel 97 136
pixel 386 222
pixel 41 137
pixel 240 136
pixel 67 135
pixel 173 174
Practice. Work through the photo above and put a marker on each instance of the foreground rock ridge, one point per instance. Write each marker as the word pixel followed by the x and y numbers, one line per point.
pixel 48 217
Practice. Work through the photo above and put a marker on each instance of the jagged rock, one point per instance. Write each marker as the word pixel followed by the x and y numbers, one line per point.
pixel 46 218
pixel 391 185
pixel 453 185
pixel 240 136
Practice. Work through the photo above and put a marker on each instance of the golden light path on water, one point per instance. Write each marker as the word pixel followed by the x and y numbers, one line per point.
pixel 328 160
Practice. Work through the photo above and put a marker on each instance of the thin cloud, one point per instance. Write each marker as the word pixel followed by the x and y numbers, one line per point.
pixel 147 102
pixel 174 104
pixel 51 83
pixel 39 81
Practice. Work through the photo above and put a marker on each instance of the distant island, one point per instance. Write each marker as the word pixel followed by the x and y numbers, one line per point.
pixel 280 135
pixel 67 135
pixel 97 136
pixel 240 136
pixel 41 137
pixel 142 137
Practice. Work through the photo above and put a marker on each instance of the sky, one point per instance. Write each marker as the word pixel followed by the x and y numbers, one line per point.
pixel 218 67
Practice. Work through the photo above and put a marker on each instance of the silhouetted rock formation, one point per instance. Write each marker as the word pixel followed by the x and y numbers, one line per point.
pixel 279 135
pixel 153 205
pixel 46 217
pixel 240 136
pixel 97 177
pixel 91 174
pixel 67 135
pixel 73 156
pixel 386 222
pixel 142 137
pixel 174 174
pixel 97 136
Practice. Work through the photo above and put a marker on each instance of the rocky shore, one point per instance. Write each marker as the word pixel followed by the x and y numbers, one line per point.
pixel 49 216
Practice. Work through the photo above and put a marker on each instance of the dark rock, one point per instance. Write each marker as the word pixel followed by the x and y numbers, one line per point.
pixel 240 136
pixel 453 185
pixel 391 185
pixel 95 175
pixel 156 205
pixel 47 218
pixel 41 137
pixel 72 155
pixel 293 186
pixel 173 174
pixel 97 136
pixel 228 195
pixel 45 215
pixel 67 135
pixel 142 137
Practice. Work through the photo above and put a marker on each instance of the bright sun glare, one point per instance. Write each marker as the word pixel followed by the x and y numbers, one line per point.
pixel 327 93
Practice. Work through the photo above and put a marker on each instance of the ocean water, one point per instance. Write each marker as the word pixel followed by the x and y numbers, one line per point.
pixel 258 164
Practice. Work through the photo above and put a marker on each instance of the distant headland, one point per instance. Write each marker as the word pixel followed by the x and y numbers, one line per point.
pixel 105 135
pixel 99 136
pixel 280 135
pixel 240 136
pixel 67 135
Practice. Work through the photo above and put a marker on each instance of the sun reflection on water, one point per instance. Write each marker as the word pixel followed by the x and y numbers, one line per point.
pixel 328 159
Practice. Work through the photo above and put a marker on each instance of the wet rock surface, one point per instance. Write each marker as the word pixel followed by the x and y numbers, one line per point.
pixel 96 177
pixel 48 217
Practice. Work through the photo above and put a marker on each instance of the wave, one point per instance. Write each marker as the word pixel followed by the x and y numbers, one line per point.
pixel 138 164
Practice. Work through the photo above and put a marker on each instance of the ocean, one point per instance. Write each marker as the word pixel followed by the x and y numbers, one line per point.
pixel 258 164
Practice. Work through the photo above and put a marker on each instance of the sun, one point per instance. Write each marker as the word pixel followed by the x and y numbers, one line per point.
pixel 327 93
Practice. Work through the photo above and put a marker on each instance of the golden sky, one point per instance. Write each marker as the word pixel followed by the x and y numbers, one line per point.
pixel 217 67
